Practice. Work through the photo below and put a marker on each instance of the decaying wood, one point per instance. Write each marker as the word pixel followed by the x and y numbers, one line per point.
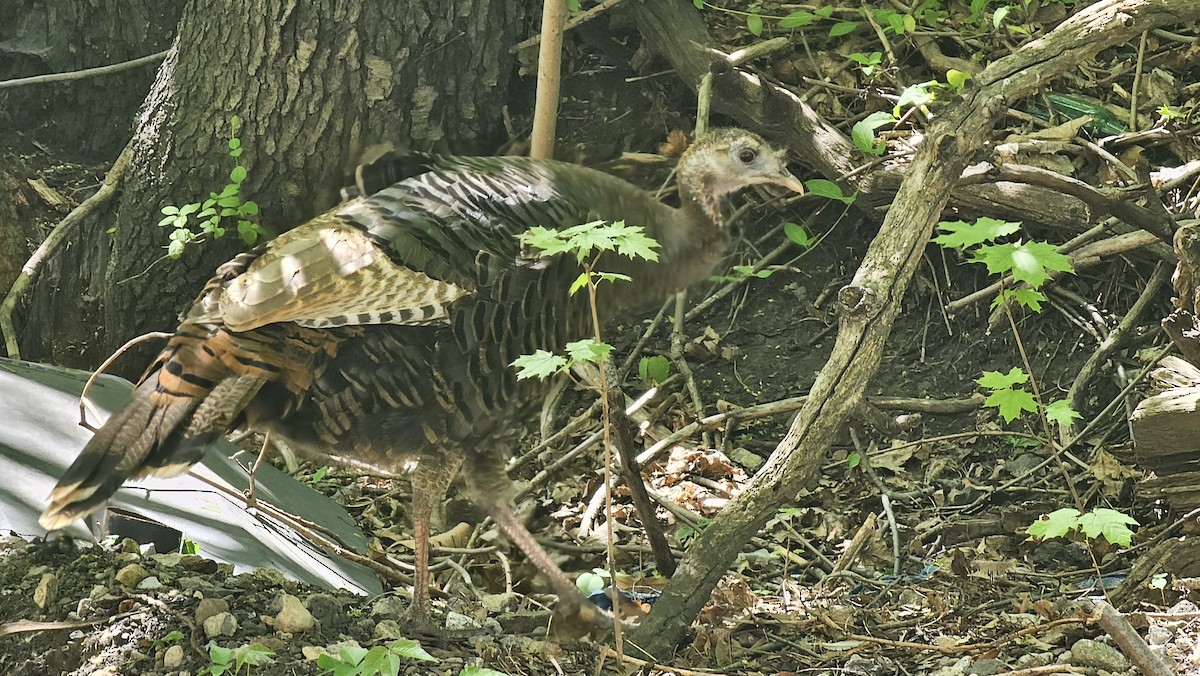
pixel 1166 425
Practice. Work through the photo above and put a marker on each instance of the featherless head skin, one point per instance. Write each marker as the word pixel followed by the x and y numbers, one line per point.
pixel 724 161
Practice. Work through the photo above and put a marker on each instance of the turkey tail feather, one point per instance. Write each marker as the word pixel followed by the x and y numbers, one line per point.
pixel 178 410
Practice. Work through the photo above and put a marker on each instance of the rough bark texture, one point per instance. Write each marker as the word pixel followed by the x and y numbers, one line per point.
pixel 59 36
pixel 869 304
pixel 314 83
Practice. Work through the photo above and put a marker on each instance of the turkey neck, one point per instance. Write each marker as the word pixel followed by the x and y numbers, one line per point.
pixel 692 244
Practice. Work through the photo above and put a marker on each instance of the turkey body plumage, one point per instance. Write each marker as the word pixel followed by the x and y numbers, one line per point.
pixel 379 334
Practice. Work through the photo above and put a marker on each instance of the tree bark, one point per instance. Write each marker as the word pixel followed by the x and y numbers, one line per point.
pixel 314 83
pixel 870 303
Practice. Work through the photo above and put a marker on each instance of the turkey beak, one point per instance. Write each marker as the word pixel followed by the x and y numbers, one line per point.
pixel 785 179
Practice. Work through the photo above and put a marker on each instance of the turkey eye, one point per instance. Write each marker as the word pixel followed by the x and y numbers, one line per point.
pixel 747 155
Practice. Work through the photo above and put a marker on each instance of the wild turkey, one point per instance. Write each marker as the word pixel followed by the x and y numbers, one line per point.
pixel 380 333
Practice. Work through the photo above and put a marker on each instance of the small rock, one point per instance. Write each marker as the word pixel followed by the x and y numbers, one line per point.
pixel 221 624
pixel 130 546
pixel 987 667
pixel 459 621
pixel 270 576
pixel 198 564
pixel 209 607
pixel 1089 653
pixel 1158 635
pixel 747 459
pixel 46 592
pixel 494 603
pixel 388 606
pixel 169 560
pixel 312 653
pixel 132 574
pixel 388 630
pixel 293 617
pixel 151 583
pixel 326 609
pixel 957 667
pixel 173 657
pixel 1023 463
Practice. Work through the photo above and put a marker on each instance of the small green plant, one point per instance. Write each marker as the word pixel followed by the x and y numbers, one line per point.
pixel 231 660
pixel 171 637
pixel 756 20
pixel 654 370
pixel 210 214
pixel 381 660
pixel 588 243
pixel 685 533
pixel 1101 522
pixel 869 62
pixel 1029 264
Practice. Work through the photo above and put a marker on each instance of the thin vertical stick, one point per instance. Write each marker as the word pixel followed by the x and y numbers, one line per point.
pixel 545 111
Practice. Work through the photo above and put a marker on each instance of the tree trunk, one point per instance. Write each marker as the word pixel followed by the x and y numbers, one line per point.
pixel 314 83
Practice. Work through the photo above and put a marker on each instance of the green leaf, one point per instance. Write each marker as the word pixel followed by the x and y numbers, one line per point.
pixel 797 234
pixel 376 661
pixel 921 94
pixel 829 190
pixel 235 143
pixel 863 133
pixel 1012 403
pixel 871 59
pixel 1028 262
pixel 236 153
pixel 1056 524
pixel 824 12
pixel 999 15
pixel 412 650
pixel 754 24
pixel 995 380
pixel 170 210
pixel 961 235
pixel 235 123
pixel 842 28
pixel 1109 524
pixel 1061 412
pixel 248 208
pixel 1024 296
pixel 588 350
pixel 352 654
pixel 957 79
pixel 611 277
pixel 219 655
pixel 698 3
pixel 749 271
pixel 255 655
pixel 797 19
pixel 237 175
pixel 580 282
pixel 654 369
pixel 540 364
